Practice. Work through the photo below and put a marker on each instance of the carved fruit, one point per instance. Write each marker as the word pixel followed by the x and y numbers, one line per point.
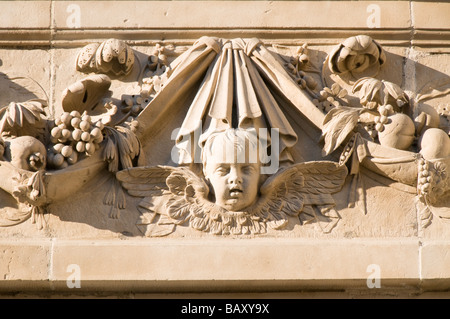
pixel 428 118
pixel 26 152
pixel 398 132
pixel 435 144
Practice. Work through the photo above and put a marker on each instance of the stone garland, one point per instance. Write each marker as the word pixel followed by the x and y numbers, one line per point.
pixel 366 117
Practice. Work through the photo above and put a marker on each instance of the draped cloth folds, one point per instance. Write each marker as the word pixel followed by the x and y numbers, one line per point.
pixel 233 92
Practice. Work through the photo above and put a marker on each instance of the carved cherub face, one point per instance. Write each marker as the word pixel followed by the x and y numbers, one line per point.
pixel 231 170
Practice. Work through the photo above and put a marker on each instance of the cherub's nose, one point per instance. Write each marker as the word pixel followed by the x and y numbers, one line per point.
pixel 234 176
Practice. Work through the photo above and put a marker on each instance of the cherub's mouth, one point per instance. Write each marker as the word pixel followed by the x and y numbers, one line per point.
pixel 235 191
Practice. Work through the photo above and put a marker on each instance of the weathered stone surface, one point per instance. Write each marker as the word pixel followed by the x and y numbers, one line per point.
pixel 119 202
pixel 231 14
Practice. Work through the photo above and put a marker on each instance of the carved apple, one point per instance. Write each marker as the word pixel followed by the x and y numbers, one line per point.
pixel 398 132
pixel 434 144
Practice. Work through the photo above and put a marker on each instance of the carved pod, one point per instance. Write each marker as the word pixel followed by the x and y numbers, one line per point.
pixel 111 56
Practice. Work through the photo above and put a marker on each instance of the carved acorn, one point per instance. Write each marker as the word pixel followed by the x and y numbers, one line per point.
pixel 26 152
pixel 111 56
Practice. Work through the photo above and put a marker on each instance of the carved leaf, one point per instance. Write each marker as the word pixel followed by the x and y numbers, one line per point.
pixel 11 217
pixel 338 123
pixel 122 148
pixel 157 230
pixel 18 119
pixel 424 212
pixel 394 91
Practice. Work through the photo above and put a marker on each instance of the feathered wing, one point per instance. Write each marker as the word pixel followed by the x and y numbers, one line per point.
pixel 168 193
pixel 280 198
pixel 305 188
pixel 322 179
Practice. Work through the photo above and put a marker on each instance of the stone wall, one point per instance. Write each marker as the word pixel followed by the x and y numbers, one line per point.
pixel 390 245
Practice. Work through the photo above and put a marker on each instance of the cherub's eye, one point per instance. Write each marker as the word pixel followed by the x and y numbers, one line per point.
pixel 247 169
pixel 222 170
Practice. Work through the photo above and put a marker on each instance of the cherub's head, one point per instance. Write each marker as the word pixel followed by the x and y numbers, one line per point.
pixel 231 166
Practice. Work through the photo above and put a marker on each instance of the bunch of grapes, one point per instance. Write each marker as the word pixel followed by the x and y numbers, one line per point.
pixel 424 178
pixel 380 121
pixel 328 99
pixel 72 136
pixel 134 104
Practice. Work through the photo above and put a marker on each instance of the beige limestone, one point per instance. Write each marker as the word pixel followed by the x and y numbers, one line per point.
pixel 258 259
pixel 25 15
pixel 407 242
pixel 427 16
pixel 25 260
pixel 231 14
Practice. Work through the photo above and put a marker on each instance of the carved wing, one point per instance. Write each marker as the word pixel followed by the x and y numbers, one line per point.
pixel 321 180
pixel 161 180
pixel 145 181
pixel 168 194
pixel 304 187
pixel 281 197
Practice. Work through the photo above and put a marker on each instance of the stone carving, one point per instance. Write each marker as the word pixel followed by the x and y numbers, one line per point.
pixel 355 55
pixel 242 97
pixel 240 203
pixel 40 154
pixel 111 56
pixel 382 117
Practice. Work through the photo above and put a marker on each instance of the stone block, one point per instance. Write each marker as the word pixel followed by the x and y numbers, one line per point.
pixel 24 260
pixel 25 14
pixel 162 265
pixel 234 14
pixel 435 261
